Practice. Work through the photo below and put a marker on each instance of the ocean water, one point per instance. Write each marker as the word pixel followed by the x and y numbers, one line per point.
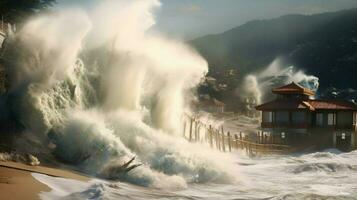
pixel 322 175
pixel 106 88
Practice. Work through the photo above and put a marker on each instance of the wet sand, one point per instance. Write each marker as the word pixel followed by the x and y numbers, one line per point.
pixel 16 181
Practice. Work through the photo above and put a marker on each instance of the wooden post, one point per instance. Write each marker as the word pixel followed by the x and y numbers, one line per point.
pixel 223 141
pixel 229 141
pixel 198 133
pixel 191 123
pixel 246 148
pixel 236 138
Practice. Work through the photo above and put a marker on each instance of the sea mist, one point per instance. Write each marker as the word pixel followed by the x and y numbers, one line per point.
pixel 95 88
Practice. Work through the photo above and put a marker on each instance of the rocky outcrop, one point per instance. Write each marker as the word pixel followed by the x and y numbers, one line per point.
pixel 25 158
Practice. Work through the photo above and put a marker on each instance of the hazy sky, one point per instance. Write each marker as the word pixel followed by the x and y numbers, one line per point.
pixel 193 18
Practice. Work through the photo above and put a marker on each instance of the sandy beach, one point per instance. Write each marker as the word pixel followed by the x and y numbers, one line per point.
pixel 16 181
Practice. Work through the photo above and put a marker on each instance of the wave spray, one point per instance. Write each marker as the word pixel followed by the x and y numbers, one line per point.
pixel 103 89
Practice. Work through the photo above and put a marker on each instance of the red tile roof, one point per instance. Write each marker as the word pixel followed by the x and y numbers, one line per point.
pixel 284 104
pixel 332 105
pixel 293 88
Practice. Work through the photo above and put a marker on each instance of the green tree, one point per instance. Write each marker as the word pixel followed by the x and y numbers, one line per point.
pixel 14 11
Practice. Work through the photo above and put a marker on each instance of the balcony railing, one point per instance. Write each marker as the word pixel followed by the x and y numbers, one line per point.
pixel 284 125
pixel 305 126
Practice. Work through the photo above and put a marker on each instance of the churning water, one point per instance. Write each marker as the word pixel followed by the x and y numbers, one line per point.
pixel 322 175
pixel 96 88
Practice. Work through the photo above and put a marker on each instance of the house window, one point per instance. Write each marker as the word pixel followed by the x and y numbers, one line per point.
pixel 282 117
pixel 319 119
pixel 267 116
pixel 331 119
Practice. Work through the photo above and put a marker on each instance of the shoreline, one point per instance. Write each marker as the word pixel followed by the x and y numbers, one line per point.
pixel 17 183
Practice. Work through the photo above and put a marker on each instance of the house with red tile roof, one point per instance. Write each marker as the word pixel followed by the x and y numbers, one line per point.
pixel 295 110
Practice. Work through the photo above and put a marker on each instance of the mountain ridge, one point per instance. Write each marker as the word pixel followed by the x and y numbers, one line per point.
pixel 306 41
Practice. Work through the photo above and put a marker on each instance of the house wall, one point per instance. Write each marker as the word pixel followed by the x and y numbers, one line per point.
pixel 298 117
pixel 334 119
pixel 323 118
pixel 338 120
pixel 344 119
pixel 281 117
pixel 290 119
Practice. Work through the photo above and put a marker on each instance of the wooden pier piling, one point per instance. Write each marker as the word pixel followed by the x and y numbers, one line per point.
pixel 223 140
pixel 191 124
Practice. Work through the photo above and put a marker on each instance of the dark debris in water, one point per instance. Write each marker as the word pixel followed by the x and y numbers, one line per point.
pixel 113 172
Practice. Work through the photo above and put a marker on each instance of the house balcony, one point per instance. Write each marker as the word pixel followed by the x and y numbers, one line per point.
pixel 284 125
pixel 307 126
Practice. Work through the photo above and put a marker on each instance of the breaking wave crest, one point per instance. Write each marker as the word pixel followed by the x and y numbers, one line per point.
pixel 99 92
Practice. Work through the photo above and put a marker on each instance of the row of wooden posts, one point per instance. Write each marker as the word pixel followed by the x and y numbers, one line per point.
pixel 227 141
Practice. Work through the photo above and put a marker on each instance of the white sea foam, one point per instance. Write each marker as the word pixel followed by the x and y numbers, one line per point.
pixel 258 85
pixel 101 90
pixel 60 187
pixel 270 177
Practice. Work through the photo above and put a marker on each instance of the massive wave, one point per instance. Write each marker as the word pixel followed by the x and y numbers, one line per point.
pixel 97 88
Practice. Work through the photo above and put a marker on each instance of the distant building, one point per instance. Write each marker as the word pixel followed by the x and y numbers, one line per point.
pixel 294 110
pixel 251 102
